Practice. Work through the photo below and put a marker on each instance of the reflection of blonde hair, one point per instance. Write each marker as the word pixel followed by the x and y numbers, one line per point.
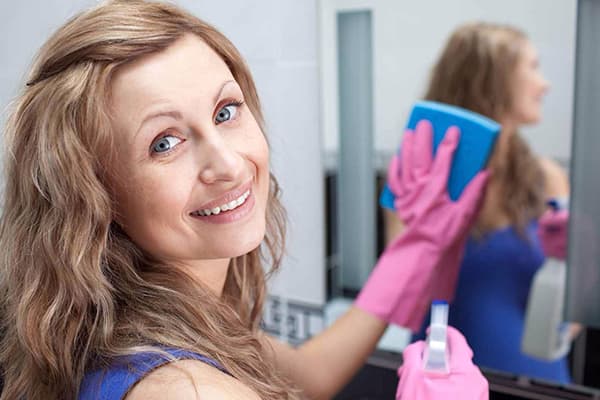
pixel 475 71
pixel 76 291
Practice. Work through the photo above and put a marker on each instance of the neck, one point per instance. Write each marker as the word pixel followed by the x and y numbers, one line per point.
pixel 499 157
pixel 211 273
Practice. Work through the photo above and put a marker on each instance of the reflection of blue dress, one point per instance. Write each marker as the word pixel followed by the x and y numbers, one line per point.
pixel 491 298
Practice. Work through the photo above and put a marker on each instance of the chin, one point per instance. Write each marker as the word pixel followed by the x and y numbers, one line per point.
pixel 531 118
pixel 241 247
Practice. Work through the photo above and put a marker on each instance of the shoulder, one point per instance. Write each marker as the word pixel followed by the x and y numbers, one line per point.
pixel 557 182
pixel 189 380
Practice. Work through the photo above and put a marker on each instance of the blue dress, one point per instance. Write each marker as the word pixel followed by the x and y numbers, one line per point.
pixel 114 382
pixel 491 298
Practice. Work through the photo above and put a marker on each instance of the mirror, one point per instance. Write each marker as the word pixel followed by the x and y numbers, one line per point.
pixel 376 61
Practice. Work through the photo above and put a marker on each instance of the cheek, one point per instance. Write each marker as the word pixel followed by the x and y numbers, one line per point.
pixel 262 163
pixel 256 151
pixel 525 95
pixel 263 157
pixel 149 202
pixel 257 154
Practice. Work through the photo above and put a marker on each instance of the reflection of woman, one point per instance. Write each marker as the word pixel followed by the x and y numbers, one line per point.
pixel 138 194
pixel 493 70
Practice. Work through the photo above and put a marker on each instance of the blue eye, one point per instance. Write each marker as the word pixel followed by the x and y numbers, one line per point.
pixel 165 143
pixel 227 113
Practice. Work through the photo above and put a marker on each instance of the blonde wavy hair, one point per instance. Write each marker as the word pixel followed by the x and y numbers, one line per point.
pixel 475 71
pixel 76 292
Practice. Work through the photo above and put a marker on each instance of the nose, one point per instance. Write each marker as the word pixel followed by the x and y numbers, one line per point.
pixel 219 161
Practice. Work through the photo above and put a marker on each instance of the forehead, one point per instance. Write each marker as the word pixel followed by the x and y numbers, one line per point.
pixel 189 67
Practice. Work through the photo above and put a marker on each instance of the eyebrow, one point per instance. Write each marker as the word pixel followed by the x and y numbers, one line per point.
pixel 176 114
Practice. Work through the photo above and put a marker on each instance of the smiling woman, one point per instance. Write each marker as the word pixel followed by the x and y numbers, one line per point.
pixel 123 246
pixel 191 169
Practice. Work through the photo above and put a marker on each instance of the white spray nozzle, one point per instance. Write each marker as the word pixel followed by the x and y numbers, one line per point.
pixel 435 358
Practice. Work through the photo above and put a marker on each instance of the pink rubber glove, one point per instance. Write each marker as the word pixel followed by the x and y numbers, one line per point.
pixel 444 284
pixel 408 205
pixel 464 381
pixel 552 231
pixel 399 288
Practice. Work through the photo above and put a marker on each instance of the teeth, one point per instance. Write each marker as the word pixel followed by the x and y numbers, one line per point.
pixel 225 207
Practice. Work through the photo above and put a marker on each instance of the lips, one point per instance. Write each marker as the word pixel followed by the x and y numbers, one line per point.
pixel 226 204
pixel 225 207
pixel 240 212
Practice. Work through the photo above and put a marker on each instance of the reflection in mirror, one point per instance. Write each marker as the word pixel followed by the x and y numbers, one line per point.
pixel 498 59
pixel 494 70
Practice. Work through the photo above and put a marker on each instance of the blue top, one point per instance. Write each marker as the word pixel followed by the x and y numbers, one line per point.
pixel 491 299
pixel 114 382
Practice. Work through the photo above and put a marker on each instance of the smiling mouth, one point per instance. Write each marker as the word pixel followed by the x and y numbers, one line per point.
pixel 227 207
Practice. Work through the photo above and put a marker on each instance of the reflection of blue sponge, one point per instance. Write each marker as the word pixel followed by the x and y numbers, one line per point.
pixel 478 135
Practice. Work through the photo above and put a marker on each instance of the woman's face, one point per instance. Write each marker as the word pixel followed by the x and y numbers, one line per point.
pixel 191 173
pixel 529 87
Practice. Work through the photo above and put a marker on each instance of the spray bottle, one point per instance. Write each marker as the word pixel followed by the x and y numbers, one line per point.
pixel 545 335
pixel 435 357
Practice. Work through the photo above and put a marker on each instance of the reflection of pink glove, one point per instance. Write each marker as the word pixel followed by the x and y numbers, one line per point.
pixel 399 288
pixel 408 204
pixel 552 231
pixel 444 284
pixel 464 381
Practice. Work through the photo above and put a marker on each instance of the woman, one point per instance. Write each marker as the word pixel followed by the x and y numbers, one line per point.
pixel 137 204
pixel 494 70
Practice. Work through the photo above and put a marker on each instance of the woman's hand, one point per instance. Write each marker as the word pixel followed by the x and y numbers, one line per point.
pixel 553 231
pixel 464 380
pixel 419 183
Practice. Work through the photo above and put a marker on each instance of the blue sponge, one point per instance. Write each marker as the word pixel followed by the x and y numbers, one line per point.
pixel 477 139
